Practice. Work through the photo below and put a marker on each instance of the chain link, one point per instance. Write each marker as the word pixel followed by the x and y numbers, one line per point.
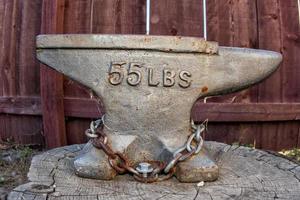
pixel 162 170
pixel 92 131
pixel 188 149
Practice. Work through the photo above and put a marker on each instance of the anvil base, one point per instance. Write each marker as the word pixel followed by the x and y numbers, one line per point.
pixel 93 163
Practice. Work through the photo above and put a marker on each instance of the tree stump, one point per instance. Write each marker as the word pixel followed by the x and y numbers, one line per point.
pixel 245 173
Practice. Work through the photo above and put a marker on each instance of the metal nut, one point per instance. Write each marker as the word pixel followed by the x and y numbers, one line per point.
pixel 144 168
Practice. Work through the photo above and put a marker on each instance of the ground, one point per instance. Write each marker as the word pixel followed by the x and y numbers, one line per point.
pixel 14 164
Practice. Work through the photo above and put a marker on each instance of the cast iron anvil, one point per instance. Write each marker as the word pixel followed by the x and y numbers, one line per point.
pixel 148 85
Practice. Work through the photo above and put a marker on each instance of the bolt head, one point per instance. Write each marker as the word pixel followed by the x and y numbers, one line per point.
pixel 144 168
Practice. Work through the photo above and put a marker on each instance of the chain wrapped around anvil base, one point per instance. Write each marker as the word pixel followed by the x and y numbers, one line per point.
pixel 161 170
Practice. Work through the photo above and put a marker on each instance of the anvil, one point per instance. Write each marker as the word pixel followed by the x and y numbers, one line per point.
pixel 148 85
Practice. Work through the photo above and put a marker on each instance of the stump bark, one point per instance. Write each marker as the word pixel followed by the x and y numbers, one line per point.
pixel 245 173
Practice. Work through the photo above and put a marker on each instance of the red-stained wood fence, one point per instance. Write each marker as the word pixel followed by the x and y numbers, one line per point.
pixel 39 105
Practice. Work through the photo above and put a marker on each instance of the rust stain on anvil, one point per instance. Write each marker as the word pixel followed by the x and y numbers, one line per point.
pixel 135 71
pixel 204 89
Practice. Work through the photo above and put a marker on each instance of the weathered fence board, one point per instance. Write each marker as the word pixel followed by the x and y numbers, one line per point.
pixel 28 129
pixel 51 81
pixel 269 18
pixel 181 18
pixel 269 112
pixel 8 54
pixel 3 119
pixel 290 36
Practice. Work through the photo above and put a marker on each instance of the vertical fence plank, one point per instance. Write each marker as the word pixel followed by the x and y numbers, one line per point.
pixel 29 128
pixel 269 19
pixel 269 90
pixel 291 67
pixel 9 35
pixel 233 23
pixel 291 50
pixel 181 17
pixel 2 116
pixel 218 21
pixel 77 19
pixel 77 16
pixel 51 81
pixel 9 48
pixel 75 128
pixel 30 26
pixel 118 17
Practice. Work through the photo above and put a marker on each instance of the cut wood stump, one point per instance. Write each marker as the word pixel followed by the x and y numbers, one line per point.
pixel 245 173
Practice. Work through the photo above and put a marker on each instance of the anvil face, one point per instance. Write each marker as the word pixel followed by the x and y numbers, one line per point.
pixel 149 84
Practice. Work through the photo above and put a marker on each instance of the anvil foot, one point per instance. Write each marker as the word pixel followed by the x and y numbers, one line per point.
pixel 93 163
pixel 198 168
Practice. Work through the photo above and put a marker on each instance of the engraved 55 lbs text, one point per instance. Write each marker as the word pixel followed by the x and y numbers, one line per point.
pixel 135 72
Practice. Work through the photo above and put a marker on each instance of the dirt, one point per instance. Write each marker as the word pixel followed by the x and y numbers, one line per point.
pixel 14 165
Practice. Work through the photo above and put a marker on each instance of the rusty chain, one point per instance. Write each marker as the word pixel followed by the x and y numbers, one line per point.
pixel 161 170
pixel 188 149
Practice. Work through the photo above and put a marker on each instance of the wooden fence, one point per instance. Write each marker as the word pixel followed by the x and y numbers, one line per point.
pixel 39 105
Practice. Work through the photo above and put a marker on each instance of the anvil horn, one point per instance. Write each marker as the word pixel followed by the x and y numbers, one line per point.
pixel 235 69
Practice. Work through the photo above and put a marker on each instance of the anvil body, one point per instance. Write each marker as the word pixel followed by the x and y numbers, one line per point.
pixel 148 85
